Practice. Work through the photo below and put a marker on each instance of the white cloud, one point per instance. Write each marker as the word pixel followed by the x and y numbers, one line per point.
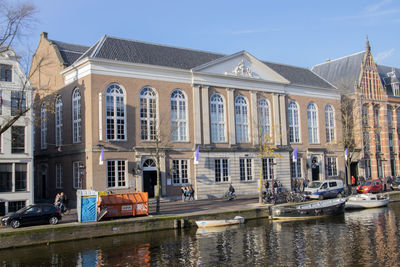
pixel 380 9
pixel 383 55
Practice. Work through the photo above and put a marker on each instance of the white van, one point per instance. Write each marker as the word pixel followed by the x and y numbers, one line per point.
pixel 324 189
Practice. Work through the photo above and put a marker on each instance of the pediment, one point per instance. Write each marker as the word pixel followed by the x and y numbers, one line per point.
pixel 241 65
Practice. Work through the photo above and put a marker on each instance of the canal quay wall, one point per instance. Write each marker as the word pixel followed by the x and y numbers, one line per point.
pixel 45 234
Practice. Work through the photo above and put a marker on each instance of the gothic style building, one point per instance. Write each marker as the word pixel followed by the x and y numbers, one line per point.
pixel 375 91
pixel 119 107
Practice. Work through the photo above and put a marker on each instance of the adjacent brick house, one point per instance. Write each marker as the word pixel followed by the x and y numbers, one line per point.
pixel 115 95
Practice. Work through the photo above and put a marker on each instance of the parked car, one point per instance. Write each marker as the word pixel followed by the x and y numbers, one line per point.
pixel 370 186
pixel 324 189
pixel 395 185
pixel 33 214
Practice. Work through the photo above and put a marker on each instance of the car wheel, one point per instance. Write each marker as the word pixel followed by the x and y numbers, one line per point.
pixel 15 224
pixel 321 197
pixel 339 195
pixel 53 220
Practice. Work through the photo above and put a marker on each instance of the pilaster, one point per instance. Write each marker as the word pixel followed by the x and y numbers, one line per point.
pixel 197 114
pixel 231 116
pixel 206 114
pixel 283 116
pixel 277 123
pixel 254 117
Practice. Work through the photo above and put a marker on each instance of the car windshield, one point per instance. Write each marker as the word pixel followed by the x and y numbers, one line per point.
pixel 367 183
pixel 23 209
pixel 397 180
pixel 314 184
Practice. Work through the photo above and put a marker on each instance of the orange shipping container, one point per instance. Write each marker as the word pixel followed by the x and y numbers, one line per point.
pixel 121 205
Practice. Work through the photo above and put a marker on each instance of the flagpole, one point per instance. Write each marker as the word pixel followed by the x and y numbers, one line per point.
pixel 195 163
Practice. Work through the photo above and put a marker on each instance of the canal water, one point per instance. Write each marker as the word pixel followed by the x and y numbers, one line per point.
pixel 359 238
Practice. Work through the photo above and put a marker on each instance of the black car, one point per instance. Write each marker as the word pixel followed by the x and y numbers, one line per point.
pixel 395 185
pixel 33 214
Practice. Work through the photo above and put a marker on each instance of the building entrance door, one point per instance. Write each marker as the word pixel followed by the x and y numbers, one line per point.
pixel 149 181
pixel 314 169
pixel 2 208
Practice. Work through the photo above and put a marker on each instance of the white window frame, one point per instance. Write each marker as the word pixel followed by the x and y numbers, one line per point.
pixel 115 113
pixel 396 89
pixel 268 168
pixel 217 115
pixel 242 120
pixel 59 120
pixel 331 167
pixel 222 169
pixel 246 169
pixel 312 118
pixel 120 181
pixel 330 124
pixel 43 126
pixel 264 120
pixel 293 120
pixel 178 116
pixel 180 171
pixel 296 168
pixel 59 176
pixel 77 181
pixel 76 117
pixel 148 106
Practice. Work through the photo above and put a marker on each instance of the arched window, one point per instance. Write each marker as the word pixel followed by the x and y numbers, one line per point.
pixel 59 120
pixel 148 114
pixel 242 120
pixel 264 121
pixel 115 113
pixel 330 123
pixel 293 118
pixel 43 126
pixel 76 117
pixel 178 116
pixel 217 113
pixel 149 163
pixel 312 123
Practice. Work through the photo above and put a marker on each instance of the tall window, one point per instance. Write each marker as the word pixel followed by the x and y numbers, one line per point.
pixel 178 116
pixel 5 177
pixel 76 117
pixel 18 102
pixel 293 118
pixel 246 173
pixel 312 123
pixel 116 173
pixel 366 142
pixel 376 116
pixel 148 114
pixel 221 170
pixel 268 168
pixel 59 121
pixel 43 126
pixel 390 117
pixel 330 123
pixel 115 113
pixel 332 166
pixel 295 168
pixel 18 139
pixel 20 176
pixel 264 122
pixel 59 176
pixel 241 120
pixel 77 181
pixel 1 102
pixel 391 144
pixel 396 89
pixel 365 115
pixel 398 118
pixel 378 142
pixel 180 171
pixel 5 73
pixel 217 113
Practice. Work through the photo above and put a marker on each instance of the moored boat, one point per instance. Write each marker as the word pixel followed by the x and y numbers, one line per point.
pixel 218 223
pixel 365 201
pixel 310 210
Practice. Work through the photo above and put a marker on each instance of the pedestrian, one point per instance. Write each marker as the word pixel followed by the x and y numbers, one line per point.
pixel 186 192
pixel 183 192
pixel 61 201
pixel 279 186
pixel 267 186
pixel 275 187
pixel 305 183
pixel 191 192
pixel 56 200
pixel 353 180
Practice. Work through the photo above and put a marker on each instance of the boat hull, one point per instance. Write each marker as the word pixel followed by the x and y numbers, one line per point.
pixel 366 202
pixel 219 223
pixel 316 209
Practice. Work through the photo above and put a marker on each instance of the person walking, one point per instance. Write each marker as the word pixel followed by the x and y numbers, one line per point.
pixel 267 186
pixel 191 192
pixel 183 193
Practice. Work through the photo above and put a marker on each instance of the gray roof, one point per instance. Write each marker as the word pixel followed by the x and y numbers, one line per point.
pixel 343 72
pixel 70 52
pixel 388 76
pixel 113 48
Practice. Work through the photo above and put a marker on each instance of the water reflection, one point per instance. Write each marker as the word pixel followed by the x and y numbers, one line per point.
pixel 358 238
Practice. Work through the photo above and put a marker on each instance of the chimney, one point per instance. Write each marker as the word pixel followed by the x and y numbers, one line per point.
pixel 367 46
pixel 43 35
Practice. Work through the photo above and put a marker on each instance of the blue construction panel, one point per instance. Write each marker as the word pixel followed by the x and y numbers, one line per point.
pixel 88 209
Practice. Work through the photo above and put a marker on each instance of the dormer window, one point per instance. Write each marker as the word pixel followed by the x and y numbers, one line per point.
pixel 396 89
pixel 5 73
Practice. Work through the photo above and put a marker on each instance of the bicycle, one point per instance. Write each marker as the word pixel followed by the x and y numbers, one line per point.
pixel 230 195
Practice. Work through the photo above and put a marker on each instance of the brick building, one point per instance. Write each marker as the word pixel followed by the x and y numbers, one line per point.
pixel 115 95
pixel 375 91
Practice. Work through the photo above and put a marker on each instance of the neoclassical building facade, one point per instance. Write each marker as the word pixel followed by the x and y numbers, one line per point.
pixel 120 108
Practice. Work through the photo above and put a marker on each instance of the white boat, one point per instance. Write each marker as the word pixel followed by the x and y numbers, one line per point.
pixel 217 223
pixel 365 201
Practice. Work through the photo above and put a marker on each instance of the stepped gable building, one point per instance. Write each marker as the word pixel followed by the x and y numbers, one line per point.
pixel 16 143
pixel 122 104
pixel 375 91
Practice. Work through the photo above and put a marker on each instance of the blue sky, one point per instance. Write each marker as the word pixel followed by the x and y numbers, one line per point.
pixel 300 33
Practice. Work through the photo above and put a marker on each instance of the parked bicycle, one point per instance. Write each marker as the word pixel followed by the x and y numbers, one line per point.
pixel 295 197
